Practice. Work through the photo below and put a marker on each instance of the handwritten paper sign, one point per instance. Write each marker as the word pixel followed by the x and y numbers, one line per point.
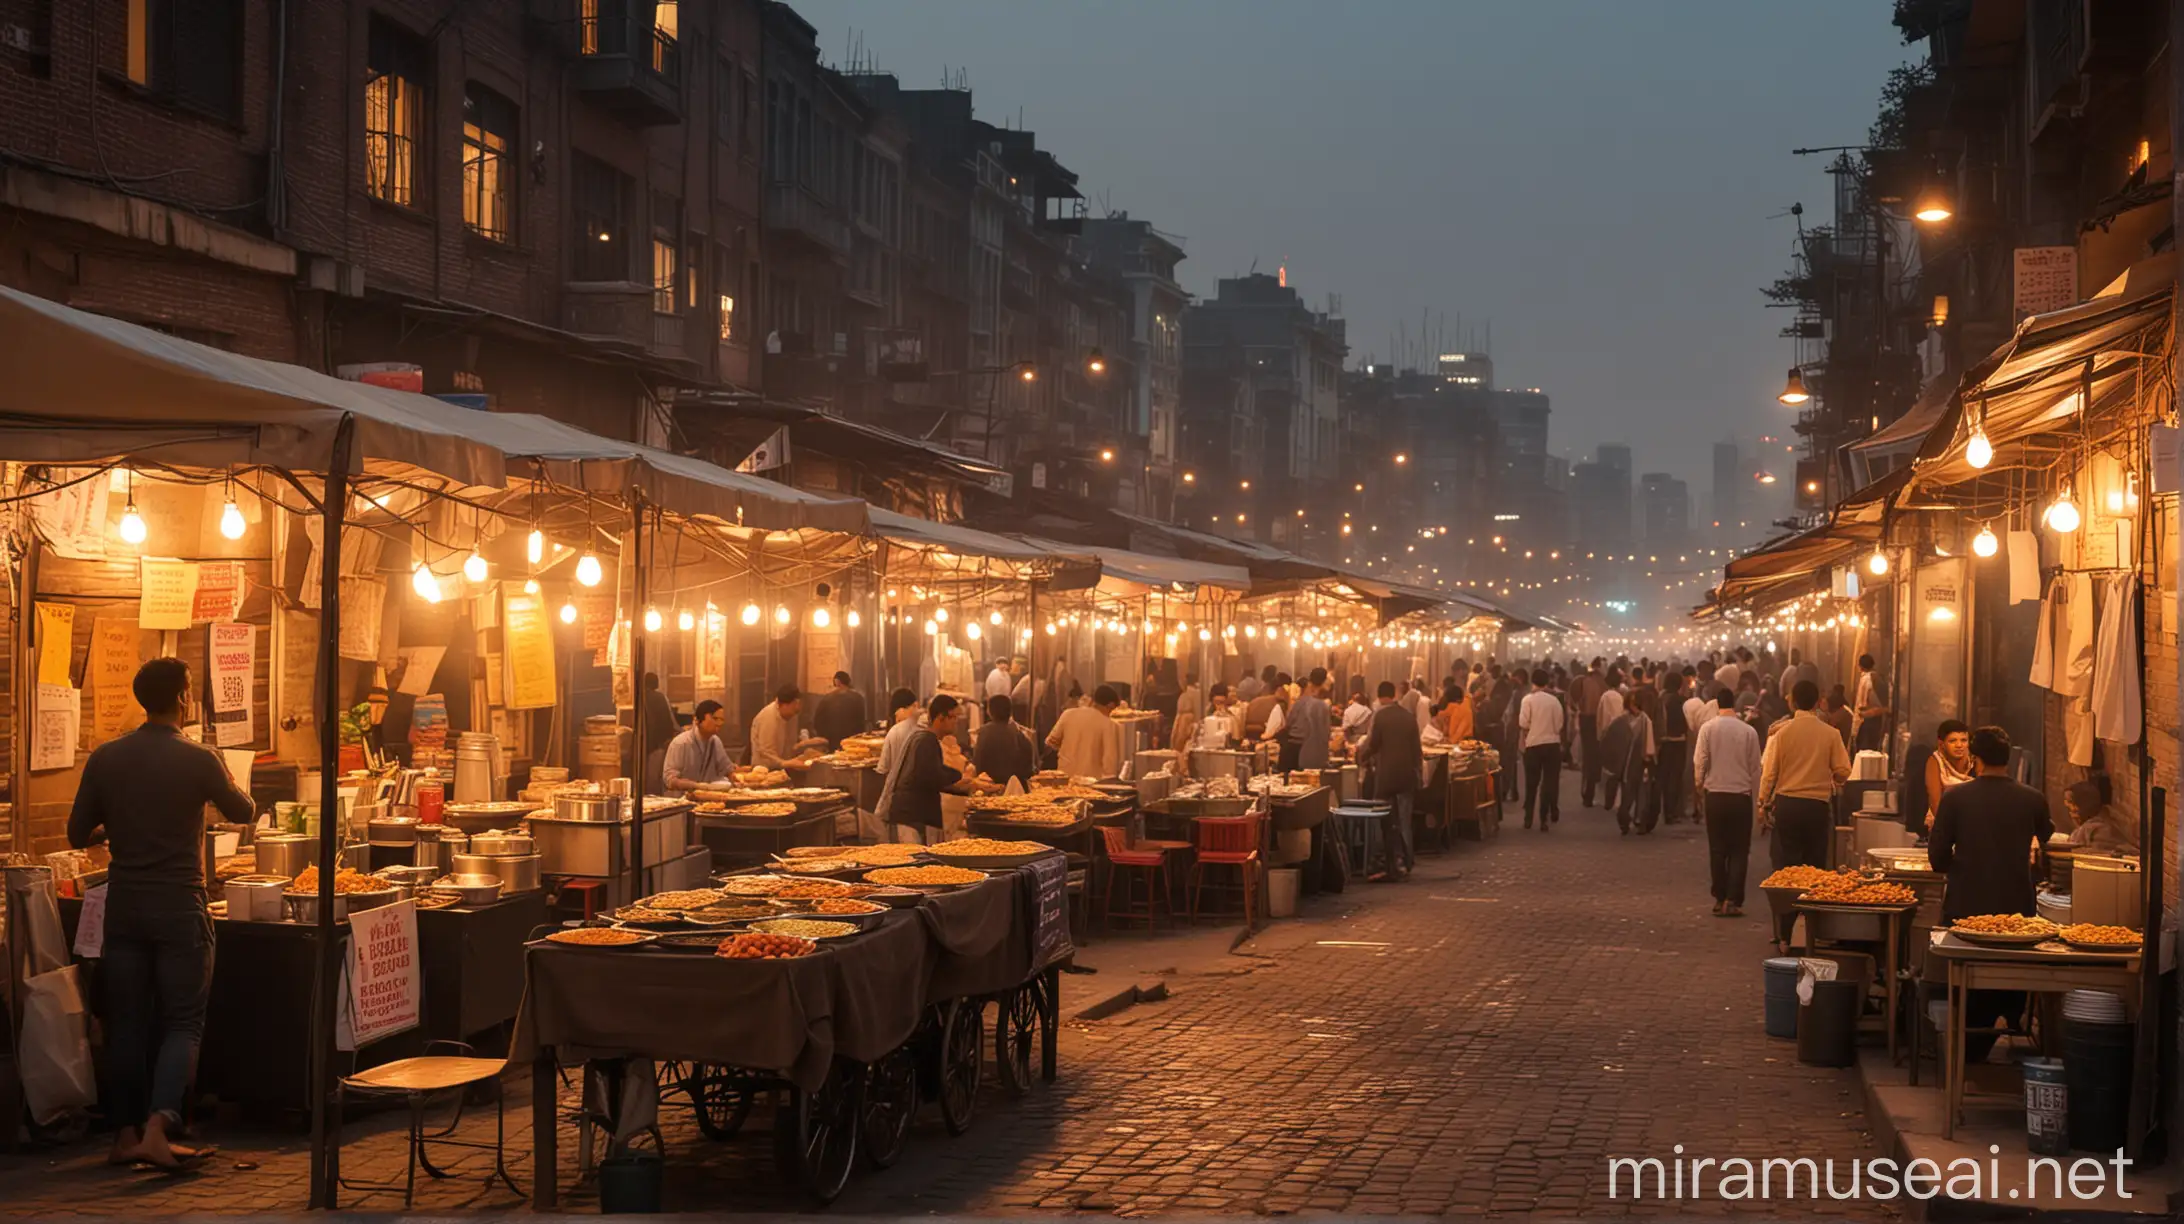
pixel 109 674
pixel 56 627
pixel 53 727
pixel 2046 279
pixel 382 984
pixel 219 593
pixel 231 653
pixel 1050 894
pixel 73 519
pixel 363 601
pixel 527 638
pixel 167 595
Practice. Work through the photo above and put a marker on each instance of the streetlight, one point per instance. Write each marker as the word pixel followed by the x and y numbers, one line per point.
pixel 1933 207
pixel 1095 362
pixel 1793 389
pixel 1107 456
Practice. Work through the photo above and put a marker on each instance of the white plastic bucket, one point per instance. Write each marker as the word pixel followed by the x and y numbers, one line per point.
pixel 1281 892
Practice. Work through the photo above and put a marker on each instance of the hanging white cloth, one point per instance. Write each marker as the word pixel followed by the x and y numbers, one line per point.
pixel 2074 662
pixel 2078 731
pixel 2043 636
pixel 2024 566
pixel 2117 715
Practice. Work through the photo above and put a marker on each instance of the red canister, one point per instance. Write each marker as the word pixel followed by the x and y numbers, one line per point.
pixel 430 795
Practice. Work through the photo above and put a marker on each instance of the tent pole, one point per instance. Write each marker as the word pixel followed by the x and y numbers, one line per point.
pixel 641 590
pixel 334 503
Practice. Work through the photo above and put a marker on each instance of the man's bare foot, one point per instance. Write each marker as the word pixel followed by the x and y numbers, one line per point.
pixel 126 1143
pixel 159 1153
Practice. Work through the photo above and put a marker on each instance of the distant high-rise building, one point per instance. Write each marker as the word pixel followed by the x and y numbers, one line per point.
pixel 1665 509
pixel 1728 503
pixel 1600 496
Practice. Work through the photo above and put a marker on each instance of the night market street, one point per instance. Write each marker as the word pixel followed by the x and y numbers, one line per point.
pixel 1481 1039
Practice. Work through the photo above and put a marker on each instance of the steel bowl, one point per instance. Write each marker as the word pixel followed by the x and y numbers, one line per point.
pixel 469 889
pixel 476 818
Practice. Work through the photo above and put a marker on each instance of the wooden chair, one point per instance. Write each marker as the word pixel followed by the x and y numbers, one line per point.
pixel 1227 841
pixel 1123 857
pixel 416 1080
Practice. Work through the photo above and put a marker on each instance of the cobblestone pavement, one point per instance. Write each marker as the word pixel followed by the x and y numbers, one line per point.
pixel 1480 1040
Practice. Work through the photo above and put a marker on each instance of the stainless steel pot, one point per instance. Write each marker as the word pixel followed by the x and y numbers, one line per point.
pixel 586 806
pixel 518 873
pixel 435 843
pixel 473 818
pixel 501 842
pixel 470 889
pixel 391 830
pixel 285 854
pixel 303 907
pixel 409 881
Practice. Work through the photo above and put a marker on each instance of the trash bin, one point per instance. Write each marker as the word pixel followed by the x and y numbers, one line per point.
pixel 2098 1056
pixel 631 1184
pixel 1281 892
pixel 1827 1027
pixel 1781 996
pixel 2047 1107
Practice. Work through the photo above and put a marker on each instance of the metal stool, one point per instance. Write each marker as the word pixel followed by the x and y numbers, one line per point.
pixel 416 1079
pixel 1121 857
pixel 1360 833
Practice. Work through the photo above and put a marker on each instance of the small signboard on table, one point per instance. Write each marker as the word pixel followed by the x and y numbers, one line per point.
pixel 381 982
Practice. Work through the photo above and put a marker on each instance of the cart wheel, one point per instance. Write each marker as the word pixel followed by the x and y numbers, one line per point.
pixel 722 1098
pixel 890 1106
pixel 815 1135
pixel 962 1055
pixel 1015 1030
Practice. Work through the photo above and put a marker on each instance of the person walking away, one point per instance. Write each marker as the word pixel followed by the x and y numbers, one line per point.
pixel 1585 693
pixel 1540 723
pixel 1355 716
pixel 660 730
pixel 1004 749
pixel 2096 826
pixel 1800 768
pixel 1635 808
pixel 144 795
pixel 1311 723
pixel 1699 709
pixel 1869 709
pixel 910 795
pixel 840 713
pixel 1986 832
pixel 1393 753
pixel 1086 742
pixel 1725 765
pixel 698 757
pixel 1675 759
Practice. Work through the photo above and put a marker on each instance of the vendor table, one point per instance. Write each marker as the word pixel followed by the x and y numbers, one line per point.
pixel 747 841
pixel 860 782
pixel 2048 968
pixel 791 1019
pixel 1893 920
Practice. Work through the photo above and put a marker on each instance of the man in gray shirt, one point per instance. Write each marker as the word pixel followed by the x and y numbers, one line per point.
pixel 145 795
pixel 1310 722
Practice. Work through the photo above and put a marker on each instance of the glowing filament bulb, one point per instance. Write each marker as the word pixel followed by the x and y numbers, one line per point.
pixel 568 613
pixel 535 547
pixel 972 631
pixel 1977 450
pixel 474 567
pixel 750 614
pixel 426 586
pixel 588 570
pixel 686 620
pixel 821 618
pixel 781 614
pixel 132 525
pixel 1984 543
pixel 852 619
pixel 231 520
pixel 652 620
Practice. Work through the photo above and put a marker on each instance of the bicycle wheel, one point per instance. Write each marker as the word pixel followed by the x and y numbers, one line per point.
pixel 890 1106
pixel 1015 1031
pixel 962 1057
pixel 815 1136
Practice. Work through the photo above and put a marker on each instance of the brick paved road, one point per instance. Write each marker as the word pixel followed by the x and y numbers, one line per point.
pixel 1480 1040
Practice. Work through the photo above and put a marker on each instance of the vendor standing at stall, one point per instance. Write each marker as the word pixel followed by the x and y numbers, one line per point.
pixel 1310 725
pixel 697 757
pixel 841 713
pixel 1086 741
pixel 774 738
pixel 911 795
pixel 1984 836
pixel 145 795
pixel 1217 730
pixel 1004 749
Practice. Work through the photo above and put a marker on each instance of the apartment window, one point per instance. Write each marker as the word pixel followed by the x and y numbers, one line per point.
pixel 666 27
pixel 727 285
pixel 394 113
pixel 489 179
pixel 192 62
pixel 693 255
pixel 725 80
pixel 666 252
pixel 746 89
pixel 601 199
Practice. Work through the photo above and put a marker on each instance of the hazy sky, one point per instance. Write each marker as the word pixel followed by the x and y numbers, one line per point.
pixel 1598 178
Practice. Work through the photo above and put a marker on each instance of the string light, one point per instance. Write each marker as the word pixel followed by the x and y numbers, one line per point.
pixel 1877 564
pixel 530 586
pixel 2062 513
pixel 994 617
pixel 821 618
pixel 852 619
pixel 132 524
pixel 652 620
pixel 941 615
pixel 231 517
pixel 568 612
pixel 781 614
pixel 1977 450
pixel 426 586
pixel 474 567
pixel 932 628
pixel 1984 544
pixel 750 614
pixel 972 631
pixel 589 571
pixel 534 548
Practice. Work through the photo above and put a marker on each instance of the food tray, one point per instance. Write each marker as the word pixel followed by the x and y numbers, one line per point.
pixel 2118 948
pixel 765 927
pixel 818 869
pixel 637 938
pixel 860 921
pixel 2021 940
pixel 703 943
pixel 1893 907
pixel 933 888
pixel 989 862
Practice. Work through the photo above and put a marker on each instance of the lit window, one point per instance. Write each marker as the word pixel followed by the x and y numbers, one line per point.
pixel 666 253
pixel 394 107
pixel 489 133
pixel 601 196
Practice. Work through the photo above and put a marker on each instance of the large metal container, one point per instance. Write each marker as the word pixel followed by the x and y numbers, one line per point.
pixel 391 830
pixel 254 898
pixel 586 806
pixel 409 881
pixel 579 847
pixel 285 854
pixel 436 843
pixel 474 818
pixel 502 841
pixel 518 873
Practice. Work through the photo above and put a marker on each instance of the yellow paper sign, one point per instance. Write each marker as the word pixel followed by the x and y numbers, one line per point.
pixel 56 633
pixel 169 593
pixel 527 638
pixel 112 669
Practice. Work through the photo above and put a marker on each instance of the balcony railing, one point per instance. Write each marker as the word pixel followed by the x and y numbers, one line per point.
pixel 627 63
pixel 793 210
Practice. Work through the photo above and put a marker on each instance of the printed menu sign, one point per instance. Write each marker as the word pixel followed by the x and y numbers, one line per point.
pixel 527 640
pixel 109 675
pixel 232 654
pixel 2046 278
pixel 168 594
pixel 54 719
pixel 219 593
pixel 56 628
pixel 381 985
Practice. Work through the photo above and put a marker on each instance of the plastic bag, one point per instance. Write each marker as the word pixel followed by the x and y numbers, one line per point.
pixel 55 1055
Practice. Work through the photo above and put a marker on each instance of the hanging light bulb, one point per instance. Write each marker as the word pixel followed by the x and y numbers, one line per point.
pixel 568 612
pixel 588 570
pixel 535 547
pixel 686 620
pixel 1205 635
pixel 852 619
pixel 132 524
pixel 1793 388
pixel 231 519
pixel 750 614
pixel 1977 450
pixel 972 631
pixel 474 567
pixel 652 620
pixel 821 618
pixel 941 615
pixel 530 586
pixel 781 614
pixel 1877 564
pixel 994 617
pixel 2062 513
pixel 1984 544
pixel 426 586
pixel 1051 630
pixel 932 628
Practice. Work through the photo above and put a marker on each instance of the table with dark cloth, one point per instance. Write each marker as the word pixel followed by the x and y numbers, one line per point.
pixel 857 998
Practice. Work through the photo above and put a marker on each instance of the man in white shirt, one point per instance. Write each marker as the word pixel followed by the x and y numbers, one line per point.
pixel 773 730
pixel 1413 698
pixel 1219 728
pixel 1539 729
pixel 1086 741
pixel 1611 701
pixel 1725 762
pixel 696 757
pixel 1356 716
pixel 998 681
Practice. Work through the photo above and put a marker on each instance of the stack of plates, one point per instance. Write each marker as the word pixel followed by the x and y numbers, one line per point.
pixel 2055 907
pixel 2094 1007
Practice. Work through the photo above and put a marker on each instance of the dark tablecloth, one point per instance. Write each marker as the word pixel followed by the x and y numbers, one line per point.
pixel 858 998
